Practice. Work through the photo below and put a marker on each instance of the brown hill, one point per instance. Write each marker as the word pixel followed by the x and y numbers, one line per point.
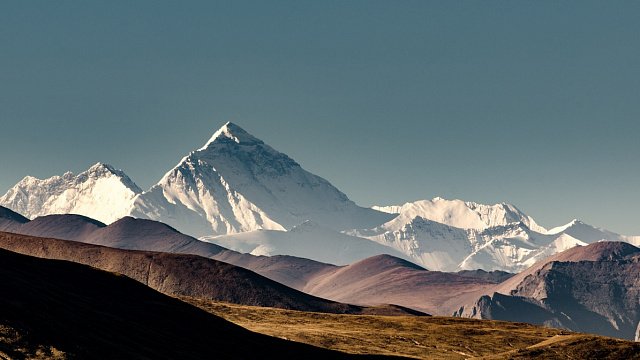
pixel 66 226
pixel 59 309
pixel 148 235
pixel 373 281
pixel 179 274
pixel 387 279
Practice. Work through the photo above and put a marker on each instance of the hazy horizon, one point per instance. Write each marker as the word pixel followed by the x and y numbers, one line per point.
pixel 534 104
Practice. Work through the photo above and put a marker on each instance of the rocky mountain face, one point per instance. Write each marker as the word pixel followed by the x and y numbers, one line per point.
pixel 593 289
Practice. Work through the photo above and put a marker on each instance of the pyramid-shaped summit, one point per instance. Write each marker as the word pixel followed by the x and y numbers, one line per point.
pixel 237 183
pixel 231 132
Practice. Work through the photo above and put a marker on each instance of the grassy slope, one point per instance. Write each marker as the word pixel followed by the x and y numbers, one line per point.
pixel 421 337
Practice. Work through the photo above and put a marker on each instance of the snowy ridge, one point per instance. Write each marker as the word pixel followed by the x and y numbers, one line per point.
pixel 102 192
pixel 431 244
pixel 461 214
pixel 488 237
pixel 590 234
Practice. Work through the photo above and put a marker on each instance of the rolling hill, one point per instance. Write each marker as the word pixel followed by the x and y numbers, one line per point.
pixel 59 309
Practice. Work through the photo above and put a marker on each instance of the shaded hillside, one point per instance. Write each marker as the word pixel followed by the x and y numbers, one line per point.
pixel 126 233
pixel 178 274
pixel 10 220
pixel 63 226
pixel 292 271
pixel 593 289
pixel 66 310
pixel 148 235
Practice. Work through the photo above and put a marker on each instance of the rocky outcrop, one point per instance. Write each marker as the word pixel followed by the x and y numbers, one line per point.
pixel 592 289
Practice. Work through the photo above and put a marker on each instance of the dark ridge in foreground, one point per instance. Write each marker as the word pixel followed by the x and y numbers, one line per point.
pixel 59 309
pixel 185 275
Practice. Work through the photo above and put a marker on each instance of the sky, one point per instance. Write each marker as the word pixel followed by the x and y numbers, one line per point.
pixel 531 103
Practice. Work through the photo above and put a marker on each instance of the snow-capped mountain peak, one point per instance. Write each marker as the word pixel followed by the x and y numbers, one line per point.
pixel 248 196
pixel 461 214
pixel 467 235
pixel 101 192
pixel 237 183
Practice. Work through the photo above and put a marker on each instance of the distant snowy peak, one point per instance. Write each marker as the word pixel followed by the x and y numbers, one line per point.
pixel 590 234
pixel 237 183
pixel 434 245
pixel 460 214
pixel 452 235
pixel 101 192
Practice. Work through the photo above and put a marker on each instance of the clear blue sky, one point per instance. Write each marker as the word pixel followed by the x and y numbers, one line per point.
pixel 536 103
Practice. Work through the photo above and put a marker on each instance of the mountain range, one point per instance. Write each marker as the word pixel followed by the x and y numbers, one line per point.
pixel 240 193
pixel 591 288
pixel 52 309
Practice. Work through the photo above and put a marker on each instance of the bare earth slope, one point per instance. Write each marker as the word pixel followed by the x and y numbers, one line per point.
pixel 58 309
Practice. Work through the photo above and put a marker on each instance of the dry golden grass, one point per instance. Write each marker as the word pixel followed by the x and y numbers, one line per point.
pixel 421 337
